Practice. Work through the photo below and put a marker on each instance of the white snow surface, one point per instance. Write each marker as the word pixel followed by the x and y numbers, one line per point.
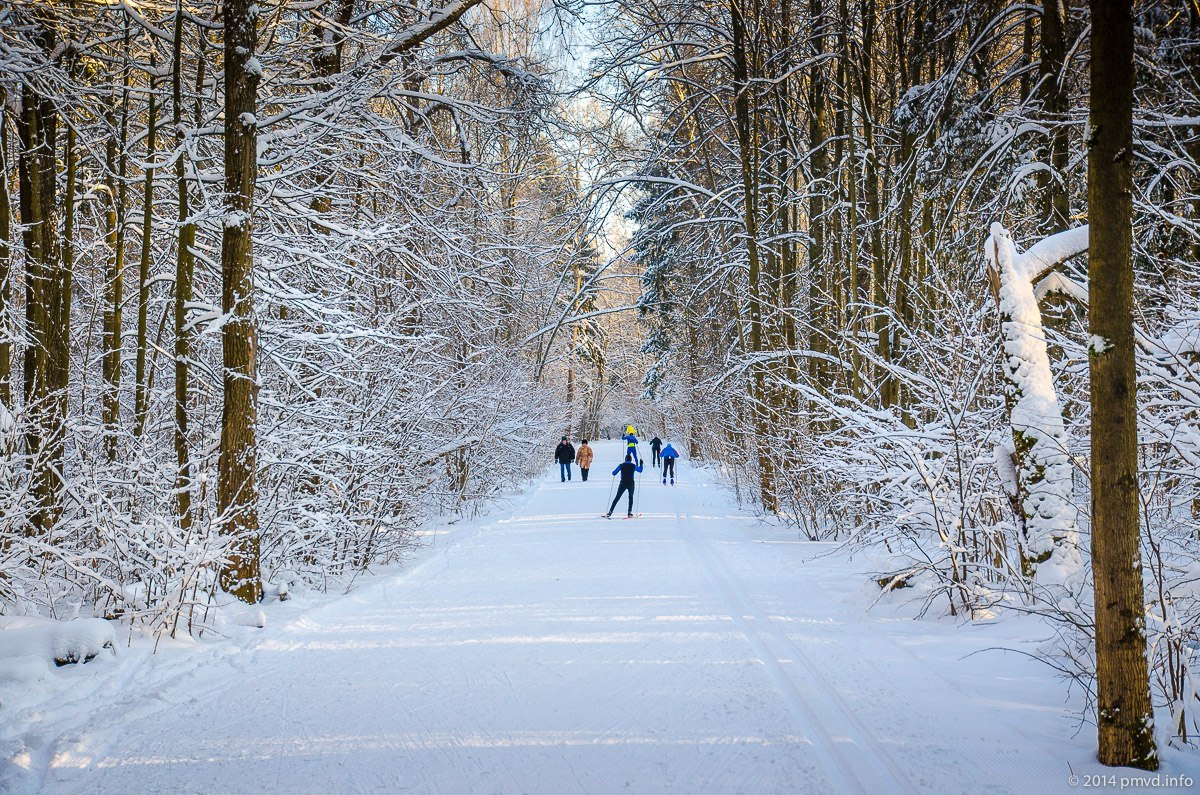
pixel 544 649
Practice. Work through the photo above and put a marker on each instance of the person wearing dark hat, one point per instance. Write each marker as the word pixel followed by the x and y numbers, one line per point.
pixel 564 454
pixel 584 459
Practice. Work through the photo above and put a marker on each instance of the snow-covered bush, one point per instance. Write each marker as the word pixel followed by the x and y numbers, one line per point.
pixel 410 225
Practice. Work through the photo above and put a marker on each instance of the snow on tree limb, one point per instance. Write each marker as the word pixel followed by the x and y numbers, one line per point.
pixel 437 22
pixel 1044 484
pixel 1050 251
pixel 1058 283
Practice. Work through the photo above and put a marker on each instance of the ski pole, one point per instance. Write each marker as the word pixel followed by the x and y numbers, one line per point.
pixel 611 483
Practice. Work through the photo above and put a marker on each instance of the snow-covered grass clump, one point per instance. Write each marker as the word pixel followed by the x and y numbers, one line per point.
pixel 60 642
pixel 30 647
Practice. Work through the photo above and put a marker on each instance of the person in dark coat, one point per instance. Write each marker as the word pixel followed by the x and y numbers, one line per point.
pixel 564 454
pixel 655 446
pixel 626 469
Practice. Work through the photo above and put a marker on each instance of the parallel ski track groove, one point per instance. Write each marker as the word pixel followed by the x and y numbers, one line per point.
pixel 754 629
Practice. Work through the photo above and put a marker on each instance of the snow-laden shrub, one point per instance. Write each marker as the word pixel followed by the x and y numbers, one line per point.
pixel 930 488
pixel 1169 428
pixel 404 251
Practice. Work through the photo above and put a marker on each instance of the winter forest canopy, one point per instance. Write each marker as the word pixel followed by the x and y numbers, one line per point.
pixel 281 281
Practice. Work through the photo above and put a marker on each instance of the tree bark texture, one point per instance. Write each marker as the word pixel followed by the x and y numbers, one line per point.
pixel 1056 210
pixel 184 272
pixel 47 286
pixel 237 489
pixel 1125 716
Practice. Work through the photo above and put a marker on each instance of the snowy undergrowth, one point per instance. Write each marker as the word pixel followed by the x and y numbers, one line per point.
pixel 345 493
pixel 932 492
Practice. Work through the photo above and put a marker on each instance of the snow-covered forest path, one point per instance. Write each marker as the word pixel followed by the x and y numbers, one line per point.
pixel 690 650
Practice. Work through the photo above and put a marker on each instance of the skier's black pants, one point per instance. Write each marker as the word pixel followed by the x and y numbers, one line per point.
pixel 669 468
pixel 583 471
pixel 625 487
pixel 654 462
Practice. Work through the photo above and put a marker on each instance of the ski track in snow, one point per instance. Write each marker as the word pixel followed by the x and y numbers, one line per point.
pixel 807 694
pixel 547 650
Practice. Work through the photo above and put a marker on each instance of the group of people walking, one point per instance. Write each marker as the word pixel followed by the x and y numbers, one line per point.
pixel 566 454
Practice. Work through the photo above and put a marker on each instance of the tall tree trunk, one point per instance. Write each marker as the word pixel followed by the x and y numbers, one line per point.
pixel 184 271
pixel 237 489
pixel 909 60
pixel 116 158
pixel 859 281
pixel 1027 55
pixel 788 180
pixel 1056 208
pixel 572 358
pixel 839 273
pixel 818 301
pixel 747 147
pixel 6 250
pixel 881 324
pixel 1125 717
pixel 46 358
pixel 141 387
pixel 71 161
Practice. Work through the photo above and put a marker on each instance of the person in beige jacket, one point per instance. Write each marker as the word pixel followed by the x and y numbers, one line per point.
pixel 583 457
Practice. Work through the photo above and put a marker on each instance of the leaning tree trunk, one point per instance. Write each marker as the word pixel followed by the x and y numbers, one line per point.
pixel 1125 717
pixel 237 489
pixel 1050 553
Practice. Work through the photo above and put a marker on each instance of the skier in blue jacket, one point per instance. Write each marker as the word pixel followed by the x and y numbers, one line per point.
pixel 668 458
pixel 626 469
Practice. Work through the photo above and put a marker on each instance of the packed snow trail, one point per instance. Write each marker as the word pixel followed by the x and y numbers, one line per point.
pixel 691 650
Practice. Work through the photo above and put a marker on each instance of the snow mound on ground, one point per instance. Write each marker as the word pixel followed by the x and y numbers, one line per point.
pixel 252 617
pixel 62 642
pixel 16 671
